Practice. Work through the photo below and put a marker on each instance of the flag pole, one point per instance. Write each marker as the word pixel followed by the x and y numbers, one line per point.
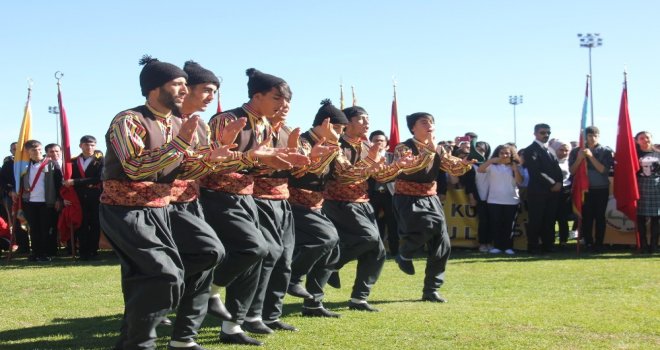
pixel 353 95
pixel 341 94
pixel 219 108
pixel 58 76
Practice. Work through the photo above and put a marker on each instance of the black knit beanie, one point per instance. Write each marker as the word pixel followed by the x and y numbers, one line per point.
pixel 328 110
pixel 156 73
pixel 354 111
pixel 411 119
pixel 199 75
pixel 259 82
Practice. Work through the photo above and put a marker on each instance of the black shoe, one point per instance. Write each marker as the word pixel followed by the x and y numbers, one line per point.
pixel 298 291
pixel 334 280
pixel 32 258
pixel 281 326
pixel 166 322
pixel 361 307
pixel 319 312
pixel 217 308
pixel 405 265
pixel 433 297
pixel 238 338
pixel 44 259
pixel 257 327
pixel 194 347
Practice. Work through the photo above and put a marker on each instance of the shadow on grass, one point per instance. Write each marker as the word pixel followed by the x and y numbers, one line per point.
pixel 65 333
pixel 468 256
pixel 105 258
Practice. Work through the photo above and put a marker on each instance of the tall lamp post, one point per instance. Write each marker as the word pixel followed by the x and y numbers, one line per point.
pixel 56 110
pixel 590 41
pixel 515 100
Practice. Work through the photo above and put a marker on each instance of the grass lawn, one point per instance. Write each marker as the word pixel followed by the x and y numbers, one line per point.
pixel 559 301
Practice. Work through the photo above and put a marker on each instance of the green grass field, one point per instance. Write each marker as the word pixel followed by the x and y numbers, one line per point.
pixel 560 301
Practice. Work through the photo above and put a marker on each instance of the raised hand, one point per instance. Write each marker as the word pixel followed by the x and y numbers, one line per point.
pixel 230 132
pixel 294 136
pixel 188 128
pixel 321 150
pixel 328 132
pixel 223 153
pixel 374 152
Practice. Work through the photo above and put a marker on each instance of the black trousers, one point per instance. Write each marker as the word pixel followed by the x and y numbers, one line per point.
pixel 564 213
pixel 422 221
pixel 316 251
pixel 651 246
pixel 359 240
pixel 502 218
pixel 387 225
pixel 40 220
pixel 593 212
pixel 152 272
pixel 483 229
pixel 200 251
pixel 276 223
pixel 89 232
pixel 235 220
pixel 542 210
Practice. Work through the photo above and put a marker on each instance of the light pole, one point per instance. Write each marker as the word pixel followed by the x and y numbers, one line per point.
pixel 55 110
pixel 590 41
pixel 515 100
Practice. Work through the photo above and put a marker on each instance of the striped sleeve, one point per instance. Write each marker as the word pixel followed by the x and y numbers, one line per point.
pixel 127 137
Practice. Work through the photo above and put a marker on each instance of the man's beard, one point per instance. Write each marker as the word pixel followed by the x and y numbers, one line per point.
pixel 168 100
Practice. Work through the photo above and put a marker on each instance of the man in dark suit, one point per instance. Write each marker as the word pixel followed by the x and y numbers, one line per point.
pixel 86 179
pixel 545 182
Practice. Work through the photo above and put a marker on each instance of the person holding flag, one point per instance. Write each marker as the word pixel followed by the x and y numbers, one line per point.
pixel 599 159
pixel 86 180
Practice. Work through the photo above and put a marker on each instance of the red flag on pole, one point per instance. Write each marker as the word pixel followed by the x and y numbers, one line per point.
pixel 580 179
pixel 71 215
pixel 626 163
pixel 394 124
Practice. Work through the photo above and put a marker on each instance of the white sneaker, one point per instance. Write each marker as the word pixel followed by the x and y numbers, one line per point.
pixel 494 251
pixel 483 248
pixel 572 234
pixel 510 252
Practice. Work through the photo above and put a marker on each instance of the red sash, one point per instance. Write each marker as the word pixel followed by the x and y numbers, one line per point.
pixel 36 178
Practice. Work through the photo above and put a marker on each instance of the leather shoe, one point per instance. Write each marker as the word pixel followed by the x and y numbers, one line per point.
pixel 239 339
pixel 257 327
pixel 281 326
pixel 217 308
pixel 334 281
pixel 361 307
pixel 299 291
pixel 166 322
pixel 405 265
pixel 433 297
pixel 194 347
pixel 319 312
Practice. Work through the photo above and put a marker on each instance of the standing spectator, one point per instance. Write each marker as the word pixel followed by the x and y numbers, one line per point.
pixel 86 180
pixel 480 152
pixel 503 177
pixel 565 207
pixel 54 152
pixel 599 161
pixel 545 181
pixel 8 183
pixel 41 198
pixel 648 178
pixel 380 197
